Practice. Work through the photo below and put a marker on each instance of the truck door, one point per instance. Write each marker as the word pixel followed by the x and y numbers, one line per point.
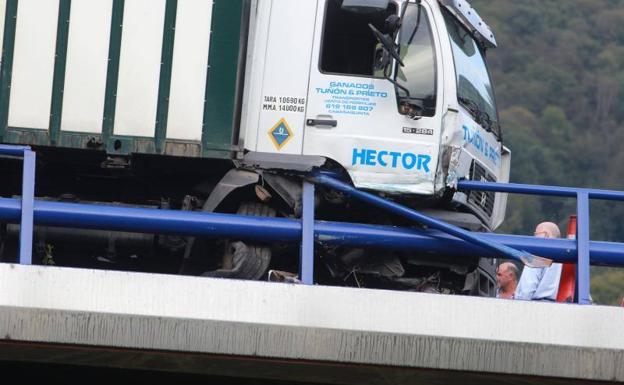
pixel 352 113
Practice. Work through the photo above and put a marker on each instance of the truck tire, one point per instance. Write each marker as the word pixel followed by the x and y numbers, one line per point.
pixel 249 261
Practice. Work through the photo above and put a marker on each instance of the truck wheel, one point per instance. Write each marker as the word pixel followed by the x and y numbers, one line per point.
pixel 248 261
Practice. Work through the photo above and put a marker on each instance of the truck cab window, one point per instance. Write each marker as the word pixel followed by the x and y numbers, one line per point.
pixel 418 75
pixel 348 45
pixel 474 88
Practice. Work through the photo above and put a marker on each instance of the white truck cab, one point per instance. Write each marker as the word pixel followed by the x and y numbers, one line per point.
pixel 320 83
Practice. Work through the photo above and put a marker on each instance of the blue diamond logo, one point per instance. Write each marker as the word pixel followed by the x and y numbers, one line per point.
pixel 280 134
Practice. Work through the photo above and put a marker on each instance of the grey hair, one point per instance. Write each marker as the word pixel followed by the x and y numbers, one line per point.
pixel 514 270
pixel 510 266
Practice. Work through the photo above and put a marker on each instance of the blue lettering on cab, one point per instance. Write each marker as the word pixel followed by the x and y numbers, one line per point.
pixel 391 159
pixel 480 144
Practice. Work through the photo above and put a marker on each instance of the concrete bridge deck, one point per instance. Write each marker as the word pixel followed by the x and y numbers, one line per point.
pixel 296 333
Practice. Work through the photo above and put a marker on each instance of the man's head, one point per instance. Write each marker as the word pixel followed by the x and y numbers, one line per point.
pixel 547 230
pixel 507 274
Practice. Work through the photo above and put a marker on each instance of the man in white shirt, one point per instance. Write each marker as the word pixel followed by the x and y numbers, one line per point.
pixel 541 283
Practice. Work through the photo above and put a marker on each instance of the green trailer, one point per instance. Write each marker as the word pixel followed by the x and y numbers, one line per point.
pixel 144 77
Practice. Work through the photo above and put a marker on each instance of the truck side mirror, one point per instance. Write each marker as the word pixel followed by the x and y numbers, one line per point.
pixel 382 59
pixel 393 24
pixel 387 44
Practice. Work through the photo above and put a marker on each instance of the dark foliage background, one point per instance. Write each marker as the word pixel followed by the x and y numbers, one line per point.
pixel 559 78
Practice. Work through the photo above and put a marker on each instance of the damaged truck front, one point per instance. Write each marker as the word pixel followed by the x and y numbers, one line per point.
pixel 398 98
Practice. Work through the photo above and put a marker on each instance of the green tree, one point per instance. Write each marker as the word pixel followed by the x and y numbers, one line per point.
pixel 559 80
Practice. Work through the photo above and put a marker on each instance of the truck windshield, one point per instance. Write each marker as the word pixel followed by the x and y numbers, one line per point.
pixel 474 89
pixel 419 74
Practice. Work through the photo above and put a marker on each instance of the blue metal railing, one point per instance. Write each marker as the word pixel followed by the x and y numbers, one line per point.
pixel 440 238
pixel 582 195
pixel 28 197
pixel 582 237
pixel 215 225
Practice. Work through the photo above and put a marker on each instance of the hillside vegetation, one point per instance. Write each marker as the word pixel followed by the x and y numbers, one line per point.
pixel 559 78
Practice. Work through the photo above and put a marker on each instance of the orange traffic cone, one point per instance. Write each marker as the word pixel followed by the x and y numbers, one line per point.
pixel 568 272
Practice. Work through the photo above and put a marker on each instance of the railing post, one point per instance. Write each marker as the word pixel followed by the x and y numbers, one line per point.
pixel 582 248
pixel 28 201
pixel 306 261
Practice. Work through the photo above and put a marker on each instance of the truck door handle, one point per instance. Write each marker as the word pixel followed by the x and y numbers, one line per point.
pixel 322 122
